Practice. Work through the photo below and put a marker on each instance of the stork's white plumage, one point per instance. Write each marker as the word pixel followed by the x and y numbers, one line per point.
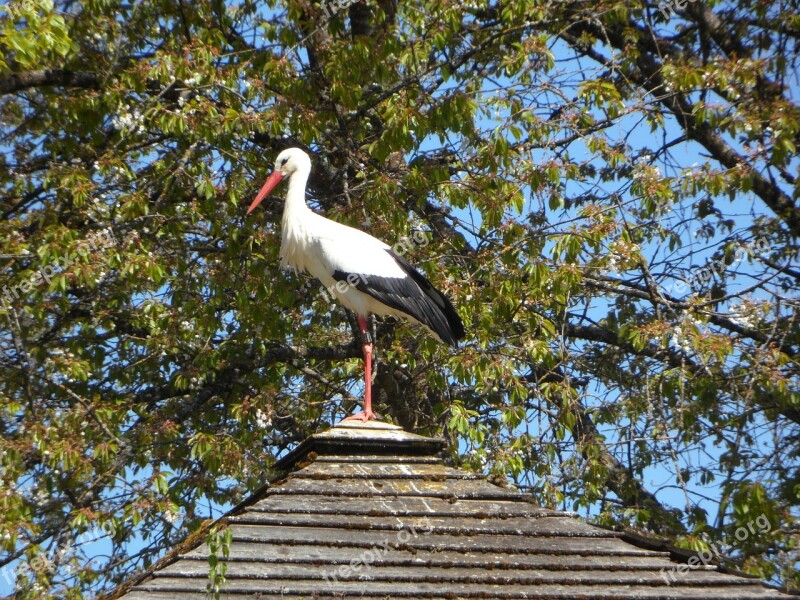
pixel 365 274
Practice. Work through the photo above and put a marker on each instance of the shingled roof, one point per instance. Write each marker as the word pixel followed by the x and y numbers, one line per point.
pixel 371 510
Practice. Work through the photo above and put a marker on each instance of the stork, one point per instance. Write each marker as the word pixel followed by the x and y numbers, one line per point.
pixel 366 275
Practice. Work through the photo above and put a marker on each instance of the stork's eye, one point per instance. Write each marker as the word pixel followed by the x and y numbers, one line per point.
pixel 284 161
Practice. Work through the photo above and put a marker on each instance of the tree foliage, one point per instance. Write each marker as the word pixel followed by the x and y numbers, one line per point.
pixel 608 191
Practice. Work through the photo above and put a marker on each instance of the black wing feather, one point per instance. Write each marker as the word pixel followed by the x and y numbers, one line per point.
pixel 414 296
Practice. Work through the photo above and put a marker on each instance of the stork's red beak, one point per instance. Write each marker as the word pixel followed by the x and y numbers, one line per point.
pixel 272 181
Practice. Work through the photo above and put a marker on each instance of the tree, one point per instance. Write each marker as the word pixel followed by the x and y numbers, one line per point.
pixel 607 191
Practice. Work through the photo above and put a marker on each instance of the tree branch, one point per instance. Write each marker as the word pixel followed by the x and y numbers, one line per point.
pixel 18 82
pixel 648 76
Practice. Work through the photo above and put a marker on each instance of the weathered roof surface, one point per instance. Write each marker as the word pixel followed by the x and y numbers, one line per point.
pixel 370 510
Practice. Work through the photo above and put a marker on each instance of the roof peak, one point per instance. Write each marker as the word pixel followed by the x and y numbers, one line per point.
pixel 356 437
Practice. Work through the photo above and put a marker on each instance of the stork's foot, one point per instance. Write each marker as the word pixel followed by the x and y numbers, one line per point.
pixel 362 416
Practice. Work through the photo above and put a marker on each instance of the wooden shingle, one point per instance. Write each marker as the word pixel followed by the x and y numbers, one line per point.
pixel 369 510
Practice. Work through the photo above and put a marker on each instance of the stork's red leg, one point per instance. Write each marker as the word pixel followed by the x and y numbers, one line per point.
pixel 367 414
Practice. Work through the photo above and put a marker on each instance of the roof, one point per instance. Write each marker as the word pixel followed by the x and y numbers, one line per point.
pixel 371 510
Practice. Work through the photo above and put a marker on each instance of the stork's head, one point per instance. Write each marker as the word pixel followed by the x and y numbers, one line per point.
pixel 289 162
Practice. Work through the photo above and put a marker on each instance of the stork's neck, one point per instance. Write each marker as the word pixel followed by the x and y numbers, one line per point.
pixel 295 200
pixel 295 223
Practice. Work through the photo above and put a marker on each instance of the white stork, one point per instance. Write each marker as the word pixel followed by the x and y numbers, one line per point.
pixel 376 279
